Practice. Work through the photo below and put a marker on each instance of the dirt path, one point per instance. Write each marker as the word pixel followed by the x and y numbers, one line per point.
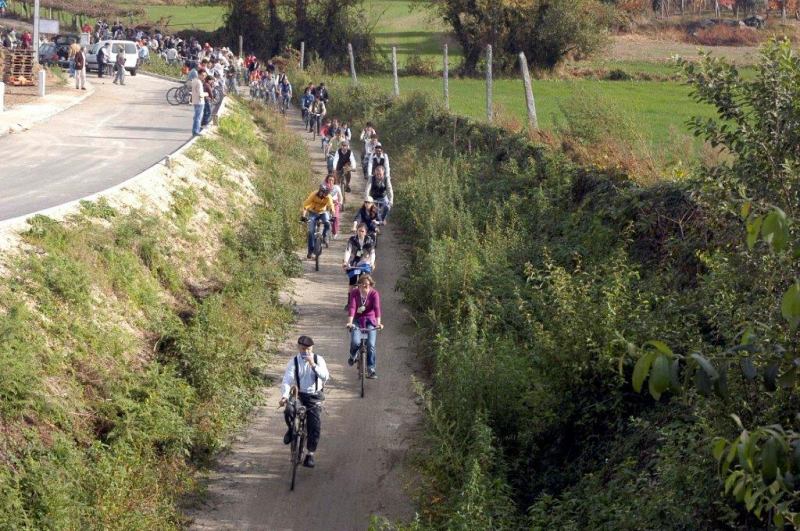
pixel 362 453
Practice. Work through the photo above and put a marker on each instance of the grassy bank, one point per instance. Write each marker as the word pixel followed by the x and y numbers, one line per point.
pixel 526 272
pixel 131 338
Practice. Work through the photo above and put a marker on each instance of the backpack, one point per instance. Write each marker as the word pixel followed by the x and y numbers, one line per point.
pixel 297 374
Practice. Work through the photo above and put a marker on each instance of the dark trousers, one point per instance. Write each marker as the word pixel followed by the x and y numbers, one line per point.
pixel 101 66
pixel 313 404
pixel 206 113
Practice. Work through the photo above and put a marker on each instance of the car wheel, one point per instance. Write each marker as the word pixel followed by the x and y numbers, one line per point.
pixel 133 71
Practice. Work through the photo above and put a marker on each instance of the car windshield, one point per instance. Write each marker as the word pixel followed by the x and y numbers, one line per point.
pixel 93 49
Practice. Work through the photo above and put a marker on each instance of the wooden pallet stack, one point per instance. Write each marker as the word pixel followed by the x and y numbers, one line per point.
pixel 18 67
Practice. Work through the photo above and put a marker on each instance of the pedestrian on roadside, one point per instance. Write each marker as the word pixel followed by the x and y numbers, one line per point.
pixel 74 47
pixel 208 88
pixel 103 56
pixel 120 77
pixel 198 100
pixel 80 69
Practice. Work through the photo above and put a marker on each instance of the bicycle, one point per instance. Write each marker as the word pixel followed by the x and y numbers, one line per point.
pixel 284 104
pixel 362 354
pixel 179 95
pixel 315 120
pixel 300 434
pixel 343 180
pixel 319 240
pixel 304 112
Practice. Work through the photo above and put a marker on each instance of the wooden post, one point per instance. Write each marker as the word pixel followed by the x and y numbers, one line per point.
pixel 241 46
pixel 302 54
pixel 526 80
pixel 489 82
pixel 445 73
pixel 783 11
pixel 352 63
pixel 394 72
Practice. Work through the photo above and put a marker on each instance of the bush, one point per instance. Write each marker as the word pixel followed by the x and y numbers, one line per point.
pixel 419 66
pixel 724 35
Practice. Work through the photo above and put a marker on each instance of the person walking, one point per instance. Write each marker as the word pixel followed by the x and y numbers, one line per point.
pixel 80 69
pixel 120 64
pixel 198 100
pixel 73 50
pixel 103 56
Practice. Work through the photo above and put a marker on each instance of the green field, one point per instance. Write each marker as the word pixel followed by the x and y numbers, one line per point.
pixel 187 17
pixel 661 108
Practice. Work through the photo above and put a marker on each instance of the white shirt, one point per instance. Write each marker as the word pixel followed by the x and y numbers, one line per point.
pixel 307 376
pixel 386 165
pixel 336 160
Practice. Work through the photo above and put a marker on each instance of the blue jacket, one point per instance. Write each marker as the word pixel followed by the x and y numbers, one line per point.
pixel 306 100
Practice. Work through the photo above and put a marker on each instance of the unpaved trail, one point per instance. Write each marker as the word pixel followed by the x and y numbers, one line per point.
pixel 361 460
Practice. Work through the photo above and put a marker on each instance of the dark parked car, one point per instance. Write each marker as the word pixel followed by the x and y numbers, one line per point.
pixel 56 51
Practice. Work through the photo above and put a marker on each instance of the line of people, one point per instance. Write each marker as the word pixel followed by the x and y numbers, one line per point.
pixel 307 371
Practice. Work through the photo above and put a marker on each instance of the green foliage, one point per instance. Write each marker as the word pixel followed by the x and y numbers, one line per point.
pixel 547 30
pixel 530 276
pixel 130 348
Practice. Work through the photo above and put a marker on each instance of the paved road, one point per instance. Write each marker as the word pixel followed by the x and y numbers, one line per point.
pixel 112 136
pixel 362 464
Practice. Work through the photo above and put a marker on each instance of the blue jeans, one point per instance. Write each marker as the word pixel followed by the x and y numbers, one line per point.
pixel 312 225
pixel 198 117
pixel 355 343
pixel 206 113
pixel 383 208
pixel 72 67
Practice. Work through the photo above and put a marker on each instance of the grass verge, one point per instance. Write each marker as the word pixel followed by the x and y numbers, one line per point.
pixel 131 340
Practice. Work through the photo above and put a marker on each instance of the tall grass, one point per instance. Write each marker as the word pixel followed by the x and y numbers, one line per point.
pixel 131 342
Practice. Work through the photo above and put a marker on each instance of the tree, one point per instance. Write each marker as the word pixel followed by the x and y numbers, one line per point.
pixel 546 30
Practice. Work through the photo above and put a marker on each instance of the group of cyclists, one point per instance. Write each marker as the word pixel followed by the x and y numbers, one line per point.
pixel 307 372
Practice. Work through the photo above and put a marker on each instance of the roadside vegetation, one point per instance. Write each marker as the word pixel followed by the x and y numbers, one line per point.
pixel 132 340
pixel 535 279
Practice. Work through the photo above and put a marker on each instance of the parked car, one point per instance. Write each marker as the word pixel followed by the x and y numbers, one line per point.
pixel 54 54
pixel 131 55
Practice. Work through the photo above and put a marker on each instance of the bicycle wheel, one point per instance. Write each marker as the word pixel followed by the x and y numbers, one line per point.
pixel 362 366
pixel 317 250
pixel 296 452
pixel 172 96
pixel 314 128
pixel 185 95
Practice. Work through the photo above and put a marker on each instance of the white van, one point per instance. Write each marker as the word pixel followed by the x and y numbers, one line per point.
pixel 131 55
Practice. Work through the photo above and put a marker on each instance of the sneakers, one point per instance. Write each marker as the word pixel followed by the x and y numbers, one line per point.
pixel 335 236
pixel 288 437
pixel 351 360
pixel 309 461
pixel 372 375
pixel 310 256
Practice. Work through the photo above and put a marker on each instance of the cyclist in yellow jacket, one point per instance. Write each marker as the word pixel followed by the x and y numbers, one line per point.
pixel 318 205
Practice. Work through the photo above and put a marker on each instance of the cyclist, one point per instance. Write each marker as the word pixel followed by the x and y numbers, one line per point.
pixel 318 111
pixel 327 136
pixel 285 90
pixel 308 373
pixel 316 206
pixel 342 157
pixel 359 255
pixel 368 214
pixel 379 158
pixel 269 86
pixel 369 150
pixel 379 187
pixel 345 130
pixel 305 102
pixel 336 195
pixel 365 305
pixel 322 92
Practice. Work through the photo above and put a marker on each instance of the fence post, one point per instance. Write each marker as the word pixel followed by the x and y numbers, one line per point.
pixel 526 80
pixel 42 82
pixel 446 73
pixel 352 63
pixel 489 82
pixel 302 54
pixel 394 72
pixel 241 46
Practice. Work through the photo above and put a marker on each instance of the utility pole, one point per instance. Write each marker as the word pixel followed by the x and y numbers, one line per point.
pixel 394 72
pixel 352 63
pixel 526 80
pixel 36 32
pixel 445 74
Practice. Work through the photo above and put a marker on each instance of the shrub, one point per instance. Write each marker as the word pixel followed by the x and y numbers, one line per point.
pixel 724 35
pixel 419 66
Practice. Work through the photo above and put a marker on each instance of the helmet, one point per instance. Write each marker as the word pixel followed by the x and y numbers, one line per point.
pixel 369 199
pixel 324 189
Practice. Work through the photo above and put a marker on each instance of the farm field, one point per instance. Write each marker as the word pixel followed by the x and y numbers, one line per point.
pixel 661 108
pixel 187 17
